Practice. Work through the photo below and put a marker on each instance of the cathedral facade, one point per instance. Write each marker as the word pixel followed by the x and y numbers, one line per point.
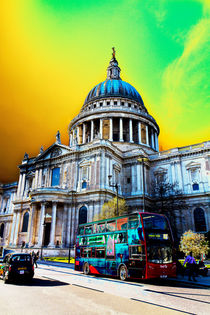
pixel 113 148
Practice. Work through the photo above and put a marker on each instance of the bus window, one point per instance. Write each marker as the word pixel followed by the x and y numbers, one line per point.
pixel 110 226
pixel 154 222
pixel 100 252
pixel 88 229
pixel 82 241
pixel 86 252
pixel 95 228
pixel 133 222
pixel 121 237
pixel 77 252
pixel 81 230
pixel 122 224
pixel 137 252
pixel 101 228
pixel 93 252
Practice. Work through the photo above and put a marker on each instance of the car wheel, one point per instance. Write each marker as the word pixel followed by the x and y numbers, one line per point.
pixel 123 273
pixel 86 268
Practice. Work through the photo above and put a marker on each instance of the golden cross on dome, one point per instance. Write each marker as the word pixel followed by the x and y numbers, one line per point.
pixel 114 51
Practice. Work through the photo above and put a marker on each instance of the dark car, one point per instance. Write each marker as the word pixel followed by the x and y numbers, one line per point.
pixel 17 267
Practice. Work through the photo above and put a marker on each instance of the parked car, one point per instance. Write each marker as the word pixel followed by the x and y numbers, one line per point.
pixel 17 267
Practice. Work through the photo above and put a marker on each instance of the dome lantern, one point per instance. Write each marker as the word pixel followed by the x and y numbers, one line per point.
pixel 113 71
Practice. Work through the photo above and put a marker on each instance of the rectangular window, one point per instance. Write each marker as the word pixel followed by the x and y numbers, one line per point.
pixel 108 103
pixel 88 229
pixel 137 252
pixel 101 228
pixel 115 103
pixel 111 226
pixel 133 222
pixel 93 252
pixel 56 176
pixel 122 224
pixel 100 252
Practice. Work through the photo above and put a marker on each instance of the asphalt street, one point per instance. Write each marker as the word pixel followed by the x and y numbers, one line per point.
pixel 61 290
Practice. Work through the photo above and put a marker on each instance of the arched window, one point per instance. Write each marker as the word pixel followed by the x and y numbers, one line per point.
pixel 83 215
pixel 199 219
pixel 25 222
pixel 2 230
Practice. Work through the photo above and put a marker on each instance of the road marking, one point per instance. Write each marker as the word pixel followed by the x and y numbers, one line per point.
pixel 81 286
pixel 176 296
pixel 169 308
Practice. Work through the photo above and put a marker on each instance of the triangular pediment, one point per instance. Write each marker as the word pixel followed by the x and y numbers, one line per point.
pixel 53 151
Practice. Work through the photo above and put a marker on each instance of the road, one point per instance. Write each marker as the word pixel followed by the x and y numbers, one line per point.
pixel 57 290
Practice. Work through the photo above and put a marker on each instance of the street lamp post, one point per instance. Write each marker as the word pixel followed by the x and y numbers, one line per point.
pixel 142 160
pixel 72 192
pixel 116 186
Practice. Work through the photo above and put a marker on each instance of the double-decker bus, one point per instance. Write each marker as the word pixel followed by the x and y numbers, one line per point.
pixel 139 245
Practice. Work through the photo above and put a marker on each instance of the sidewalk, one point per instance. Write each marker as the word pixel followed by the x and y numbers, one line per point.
pixel 203 281
pixel 200 280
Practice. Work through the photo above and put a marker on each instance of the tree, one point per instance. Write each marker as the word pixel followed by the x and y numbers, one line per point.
pixel 195 243
pixel 167 198
pixel 109 209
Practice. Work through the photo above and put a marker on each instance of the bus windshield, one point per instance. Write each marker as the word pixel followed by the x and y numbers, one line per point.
pixel 159 252
pixel 158 238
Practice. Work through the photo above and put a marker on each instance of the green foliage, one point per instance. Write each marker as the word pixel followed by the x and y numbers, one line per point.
pixel 195 242
pixel 109 209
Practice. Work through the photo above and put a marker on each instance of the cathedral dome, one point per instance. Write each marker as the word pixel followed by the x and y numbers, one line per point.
pixel 113 88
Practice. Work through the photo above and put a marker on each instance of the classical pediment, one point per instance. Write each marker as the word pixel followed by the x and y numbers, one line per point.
pixel 53 151
pixel 193 165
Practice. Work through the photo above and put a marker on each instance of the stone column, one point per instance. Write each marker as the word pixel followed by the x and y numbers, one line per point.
pixel 121 129
pixel 40 178
pixel 110 129
pixel 131 130
pixel 17 229
pixel 22 185
pixel 92 130
pixel 53 224
pixel 19 185
pixel 101 128
pixel 77 135
pixel 83 133
pixel 13 229
pixel 41 225
pixel 147 136
pixel 152 139
pixel 68 225
pixel 64 225
pixel 31 224
pixel 156 141
pixel 139 132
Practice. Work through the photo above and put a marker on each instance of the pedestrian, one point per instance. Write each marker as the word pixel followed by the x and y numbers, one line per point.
pixel 191 264
pixel 34 258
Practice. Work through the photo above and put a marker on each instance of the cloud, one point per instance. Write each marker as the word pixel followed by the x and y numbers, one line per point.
pixel 186 80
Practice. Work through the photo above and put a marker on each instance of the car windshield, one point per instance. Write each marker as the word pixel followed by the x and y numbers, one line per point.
pixel 20 258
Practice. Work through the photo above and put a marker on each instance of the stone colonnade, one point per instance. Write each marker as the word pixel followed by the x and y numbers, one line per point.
pixel 115 129
pixel 69 224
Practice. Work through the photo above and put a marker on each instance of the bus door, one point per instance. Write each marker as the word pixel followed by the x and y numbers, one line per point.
pixel 137 261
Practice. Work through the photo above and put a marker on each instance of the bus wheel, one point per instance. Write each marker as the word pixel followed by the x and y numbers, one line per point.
pixel 123 273
pixel 86 268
